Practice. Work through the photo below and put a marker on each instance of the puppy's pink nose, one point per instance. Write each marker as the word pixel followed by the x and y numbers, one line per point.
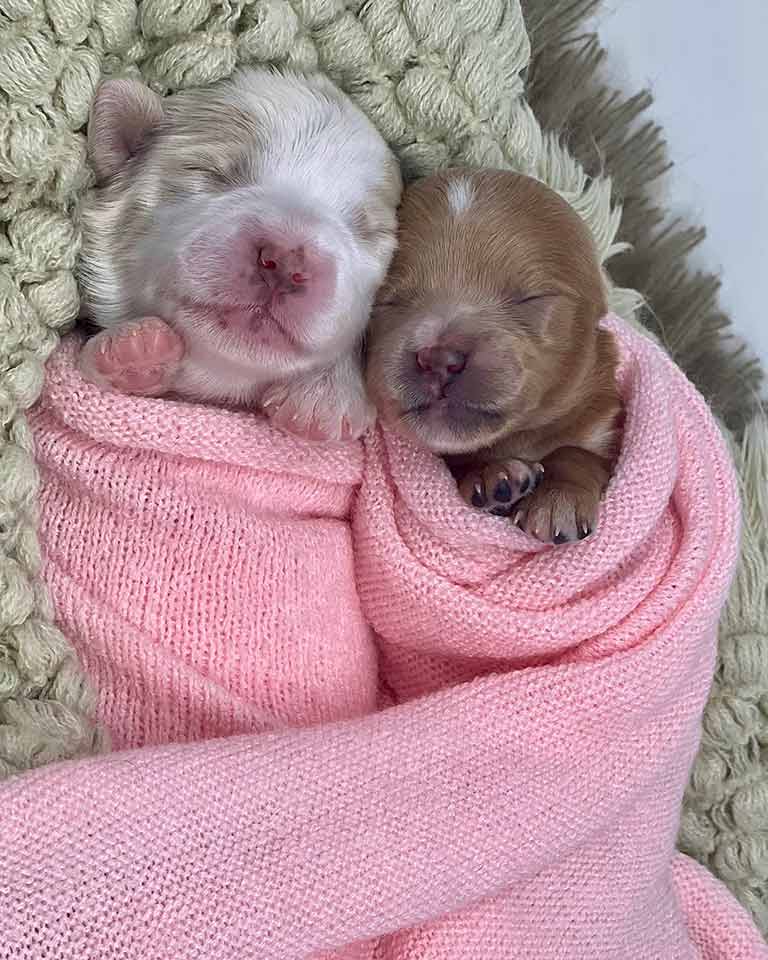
pixel 441 363
pixel 284 270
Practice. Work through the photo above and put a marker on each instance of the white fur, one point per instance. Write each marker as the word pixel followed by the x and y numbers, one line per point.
pixel 460 195
pixel 293 152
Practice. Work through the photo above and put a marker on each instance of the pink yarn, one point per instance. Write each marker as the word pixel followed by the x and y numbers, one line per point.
pixel 202 564
pixel 521 799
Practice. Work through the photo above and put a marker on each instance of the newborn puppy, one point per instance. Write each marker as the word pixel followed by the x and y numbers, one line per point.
pixel 234 245
pixel 485 346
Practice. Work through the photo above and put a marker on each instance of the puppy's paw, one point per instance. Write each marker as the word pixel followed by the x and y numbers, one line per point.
pixel 327 405
pixel 565 507
pixel 497 487
pixel 139 357
pixel 559 513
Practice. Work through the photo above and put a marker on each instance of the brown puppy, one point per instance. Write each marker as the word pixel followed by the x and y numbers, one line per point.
pixel 485 346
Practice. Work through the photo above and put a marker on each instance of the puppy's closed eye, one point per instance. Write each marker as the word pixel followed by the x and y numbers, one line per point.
pixel 213 174
pixel 518 298
pixel 538 313
pixel 391 302
pixel 369 226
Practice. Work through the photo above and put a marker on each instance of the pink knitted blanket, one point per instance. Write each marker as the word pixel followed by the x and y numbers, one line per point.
pixel 519 798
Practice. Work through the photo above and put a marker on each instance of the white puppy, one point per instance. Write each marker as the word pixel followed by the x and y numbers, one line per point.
pixel 234 245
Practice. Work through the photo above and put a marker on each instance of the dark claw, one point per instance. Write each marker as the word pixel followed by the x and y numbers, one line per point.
pixel 584 531
pixel 478 496
pixel 503 491
pixel 560 537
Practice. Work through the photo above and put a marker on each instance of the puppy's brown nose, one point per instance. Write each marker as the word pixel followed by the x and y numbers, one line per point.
pixel 441 364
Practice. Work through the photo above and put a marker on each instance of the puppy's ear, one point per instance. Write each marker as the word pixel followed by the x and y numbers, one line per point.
pixel 123 113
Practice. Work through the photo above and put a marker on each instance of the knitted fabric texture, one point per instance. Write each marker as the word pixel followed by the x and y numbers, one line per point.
pixel 442 89
pixel 522 676
pixel 443 82
pixel 201 563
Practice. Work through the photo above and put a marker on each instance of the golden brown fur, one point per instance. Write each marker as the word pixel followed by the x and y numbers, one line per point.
pixel 498 274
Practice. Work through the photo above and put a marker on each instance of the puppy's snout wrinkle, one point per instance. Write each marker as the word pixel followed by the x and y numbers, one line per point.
pixel 440 366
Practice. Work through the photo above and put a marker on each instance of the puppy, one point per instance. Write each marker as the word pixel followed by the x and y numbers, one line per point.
pixel 485 346
pixel 234 245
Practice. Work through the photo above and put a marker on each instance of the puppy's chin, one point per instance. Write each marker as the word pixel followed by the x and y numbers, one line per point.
pixel 447 426
pixel 261 347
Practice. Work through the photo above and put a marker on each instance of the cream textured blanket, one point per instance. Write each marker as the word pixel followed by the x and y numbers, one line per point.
pixel 443 83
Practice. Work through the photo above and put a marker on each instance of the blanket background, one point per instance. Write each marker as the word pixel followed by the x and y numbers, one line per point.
pixel 489 84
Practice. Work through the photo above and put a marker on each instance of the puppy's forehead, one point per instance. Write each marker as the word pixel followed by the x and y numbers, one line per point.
pixel 495 204
pixel 492 228
pixel 257 127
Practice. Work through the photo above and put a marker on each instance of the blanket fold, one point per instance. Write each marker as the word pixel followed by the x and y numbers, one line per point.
pixel 521 797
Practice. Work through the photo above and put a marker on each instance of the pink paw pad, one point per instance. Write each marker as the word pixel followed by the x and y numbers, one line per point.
pixel 140 357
